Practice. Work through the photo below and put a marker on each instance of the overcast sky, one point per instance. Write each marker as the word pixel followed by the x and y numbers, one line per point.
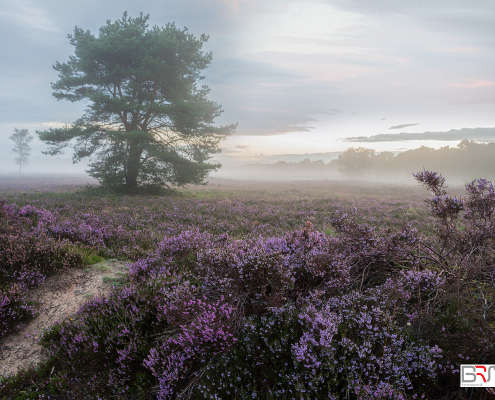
pixel 297 76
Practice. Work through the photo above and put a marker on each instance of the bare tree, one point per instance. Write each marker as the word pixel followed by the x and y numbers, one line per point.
pixel 21 139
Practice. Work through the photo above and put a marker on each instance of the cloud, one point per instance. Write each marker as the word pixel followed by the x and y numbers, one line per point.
pixel 228 151
pixel 25 14
pixel 474 84
pixel 278 130
pixel 332 111
pixel 241 146
pixel 477 134
pixel 54 125
pixel 475 16
pixel 266 99
pixel 402 126
pixel 465 49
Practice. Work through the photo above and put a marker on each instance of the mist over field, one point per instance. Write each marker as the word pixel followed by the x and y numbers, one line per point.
pixel 461 164
pixel 42 165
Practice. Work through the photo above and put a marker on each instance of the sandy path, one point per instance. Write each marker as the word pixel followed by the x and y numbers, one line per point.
pixel 61 296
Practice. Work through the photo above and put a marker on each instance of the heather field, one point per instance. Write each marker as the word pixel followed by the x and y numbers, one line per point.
pixel 235 290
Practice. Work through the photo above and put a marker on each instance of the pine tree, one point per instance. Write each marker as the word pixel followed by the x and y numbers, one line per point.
pixel 148 122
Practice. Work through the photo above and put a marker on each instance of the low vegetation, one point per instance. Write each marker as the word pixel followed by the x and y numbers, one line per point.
pixel 279 296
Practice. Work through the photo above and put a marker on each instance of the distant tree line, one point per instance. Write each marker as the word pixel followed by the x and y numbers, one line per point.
pixel 468 159
pixel 464 161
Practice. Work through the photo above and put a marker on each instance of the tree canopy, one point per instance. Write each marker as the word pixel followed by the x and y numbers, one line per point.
pixel 356 160
pixel 147 121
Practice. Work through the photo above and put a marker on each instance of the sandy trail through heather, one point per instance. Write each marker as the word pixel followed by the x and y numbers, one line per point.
pixel 61 296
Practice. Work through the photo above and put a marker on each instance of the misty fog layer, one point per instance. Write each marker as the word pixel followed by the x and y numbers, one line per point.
pixel 42 165
pixel 466 161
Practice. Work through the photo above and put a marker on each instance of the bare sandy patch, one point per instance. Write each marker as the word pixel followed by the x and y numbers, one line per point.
pixel 61 296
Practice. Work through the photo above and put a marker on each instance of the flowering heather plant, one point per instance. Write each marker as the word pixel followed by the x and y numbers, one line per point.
pixel 349 348
pixel 208 334
pixel 372 255
pixel 14 309
pixel 410 295
pixel 101 352
pixel 272 298
pixel 253 268
pixel 111 241
pixel 173 254
pixel 316 262
pixel 460 319
pixel 27 257
pixel 466 230
pixel 258 268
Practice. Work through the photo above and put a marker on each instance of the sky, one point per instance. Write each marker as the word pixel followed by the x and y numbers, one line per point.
pixel 297 76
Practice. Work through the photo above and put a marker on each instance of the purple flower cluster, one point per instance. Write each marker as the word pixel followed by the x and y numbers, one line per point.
pixel 101 351
pixel 316 343
pixel 208 333
pixel 27 256
pixel 351 346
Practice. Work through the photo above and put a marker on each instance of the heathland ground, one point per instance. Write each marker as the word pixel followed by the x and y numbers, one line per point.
pixel 244 289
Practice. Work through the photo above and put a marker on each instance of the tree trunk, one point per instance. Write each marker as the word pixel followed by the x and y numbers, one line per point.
pixel 133 165
pixel 20 157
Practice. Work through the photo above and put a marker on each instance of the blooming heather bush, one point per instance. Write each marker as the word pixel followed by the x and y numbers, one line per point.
pixel 178 250
pixel 111 241
pixel 348 348
pixel 208 334
pixel 316 262
pixel 460 320
pixel 411 294
pixel 373 256
pixel 253 268
pixel 14 309
pixel 27 257
pixel 101 352
pixel 466 227
pixel 258 268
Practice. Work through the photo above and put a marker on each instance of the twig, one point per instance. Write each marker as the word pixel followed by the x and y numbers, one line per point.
pixel 362 277
pixel 195 380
